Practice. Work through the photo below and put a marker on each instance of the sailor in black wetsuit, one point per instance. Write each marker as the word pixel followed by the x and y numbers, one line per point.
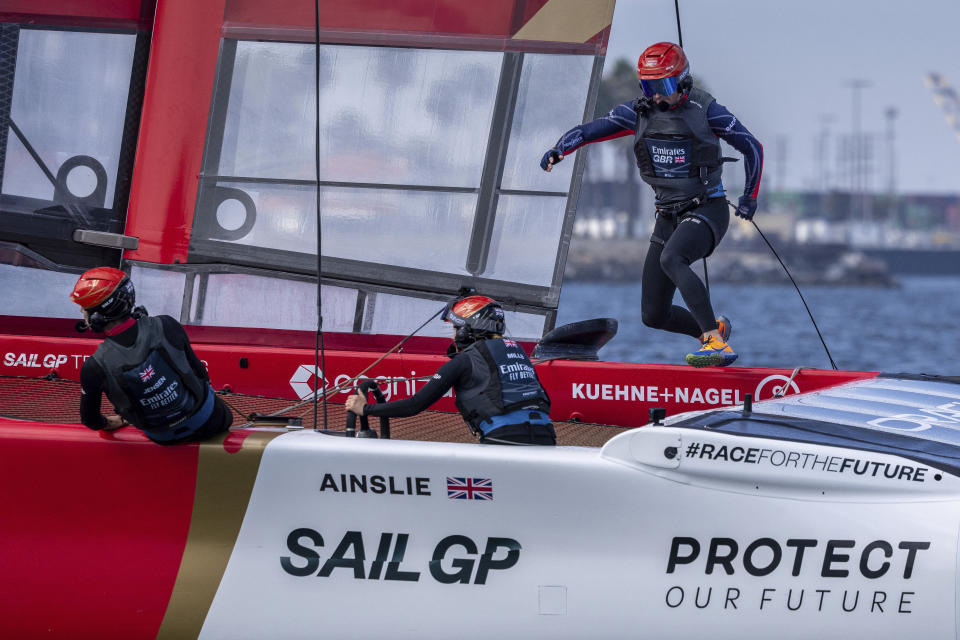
pixel 497 390
pixel 676 129
pixel 145 365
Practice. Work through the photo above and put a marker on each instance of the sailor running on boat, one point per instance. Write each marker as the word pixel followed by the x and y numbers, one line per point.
pixel 497 389
pixel 145 365
pixel 677 128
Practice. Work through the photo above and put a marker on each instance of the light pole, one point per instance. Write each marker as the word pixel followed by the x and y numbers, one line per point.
pixel 823 166
pixel 891 114
pixel 823 153
pixel 857 163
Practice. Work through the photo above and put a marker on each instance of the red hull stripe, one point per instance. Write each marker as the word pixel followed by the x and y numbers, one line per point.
pixel 114 536
pixel 602 392
pixel 93 531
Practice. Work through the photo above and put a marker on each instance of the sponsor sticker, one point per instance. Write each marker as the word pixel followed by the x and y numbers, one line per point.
pixel 772 386
pixel 303 376
pixel 805 461
pixel 652 393
pixel 38 361
pixel 823 566
pixel 456 559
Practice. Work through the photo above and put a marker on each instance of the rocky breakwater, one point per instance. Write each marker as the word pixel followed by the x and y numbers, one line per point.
pixel 621 260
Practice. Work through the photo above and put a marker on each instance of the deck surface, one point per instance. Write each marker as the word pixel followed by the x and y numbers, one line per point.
pixel 58 401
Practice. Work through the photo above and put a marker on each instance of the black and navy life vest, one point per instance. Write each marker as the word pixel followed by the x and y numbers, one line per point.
pixel 677 152
pixel 152 385
pixel 502 381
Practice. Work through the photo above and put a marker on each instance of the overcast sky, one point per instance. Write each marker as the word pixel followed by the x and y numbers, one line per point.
pixel 782 68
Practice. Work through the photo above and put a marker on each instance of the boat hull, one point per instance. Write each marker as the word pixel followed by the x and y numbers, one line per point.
pixel 269 533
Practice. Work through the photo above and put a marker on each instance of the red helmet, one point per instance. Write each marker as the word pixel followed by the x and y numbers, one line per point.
pixel 476 318
pixel 106 293
pixel 96 285
pixel 662 68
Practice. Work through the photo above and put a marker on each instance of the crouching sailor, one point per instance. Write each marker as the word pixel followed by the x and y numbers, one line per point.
pixel 145 365
pixel 497 390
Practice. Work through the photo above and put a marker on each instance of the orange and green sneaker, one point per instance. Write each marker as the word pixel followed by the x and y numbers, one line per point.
pixel 713 352
pixel 725 327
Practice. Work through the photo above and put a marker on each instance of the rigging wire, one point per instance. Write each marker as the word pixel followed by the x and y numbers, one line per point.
pixel 795 286
pixel 706 276
pixel 350 381
pixel 346 383
pixel 318 350
pixel 676 9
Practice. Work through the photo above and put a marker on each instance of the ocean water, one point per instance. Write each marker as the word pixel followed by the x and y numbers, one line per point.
pixel 911 328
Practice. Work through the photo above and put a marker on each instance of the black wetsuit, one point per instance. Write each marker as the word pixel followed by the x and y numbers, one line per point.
pixel 93 381
pixel 674 247
pixel 456 374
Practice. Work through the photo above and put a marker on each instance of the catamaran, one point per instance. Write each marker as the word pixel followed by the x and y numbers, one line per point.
pixel 173 138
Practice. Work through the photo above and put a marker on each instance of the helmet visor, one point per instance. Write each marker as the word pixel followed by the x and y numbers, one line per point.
pixel 663 86
pixel 447 315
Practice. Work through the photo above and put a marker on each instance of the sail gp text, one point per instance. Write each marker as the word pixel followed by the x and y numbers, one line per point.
pixel 836 561
pixel 36 361
pixel 456 559
pixel 634 393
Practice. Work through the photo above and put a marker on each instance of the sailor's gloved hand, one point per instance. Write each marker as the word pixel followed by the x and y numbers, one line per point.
pixel 114 423
pixel 550 158
pixel 747 207
pixel 356 403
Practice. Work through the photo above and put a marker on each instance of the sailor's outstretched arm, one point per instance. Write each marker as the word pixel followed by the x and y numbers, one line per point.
pixel 728 128
pixel 445 377
pixel 92 381
pixel 620 121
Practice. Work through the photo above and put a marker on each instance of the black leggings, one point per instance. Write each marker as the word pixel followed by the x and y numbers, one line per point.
pixel 673 248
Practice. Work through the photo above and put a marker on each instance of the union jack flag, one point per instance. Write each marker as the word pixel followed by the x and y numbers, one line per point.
pixel 147 373
pixel 470 488
pixel 680 159
pixel 509 342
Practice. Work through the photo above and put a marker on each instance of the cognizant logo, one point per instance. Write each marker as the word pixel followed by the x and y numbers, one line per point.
pixel 302 379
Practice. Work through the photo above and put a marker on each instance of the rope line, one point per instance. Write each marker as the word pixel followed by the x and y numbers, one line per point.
pixel 795 286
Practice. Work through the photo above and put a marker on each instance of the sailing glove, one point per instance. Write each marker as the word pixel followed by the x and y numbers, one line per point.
pixel 747 207
pixel 552 153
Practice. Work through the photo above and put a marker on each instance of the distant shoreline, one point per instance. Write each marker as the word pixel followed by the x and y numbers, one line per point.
pixel 621 260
